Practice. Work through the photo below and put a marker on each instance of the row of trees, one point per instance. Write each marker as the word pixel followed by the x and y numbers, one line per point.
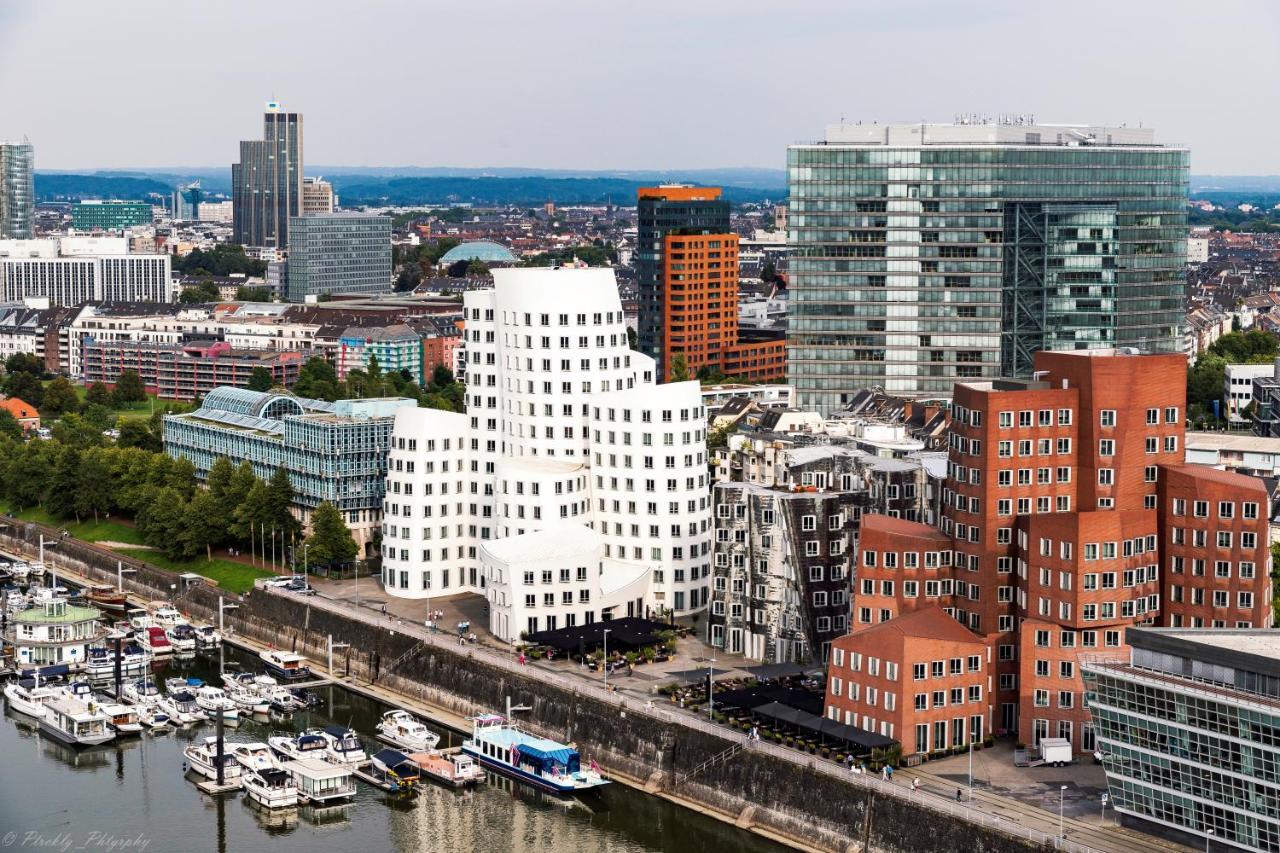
pixel 25 379
pixel 172 514
pixel 318 379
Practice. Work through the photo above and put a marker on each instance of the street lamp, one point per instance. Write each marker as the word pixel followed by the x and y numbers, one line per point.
pixel 1062 799
pixel 304 564
pixel 1208 836
pixel 711 685
pixel 606 658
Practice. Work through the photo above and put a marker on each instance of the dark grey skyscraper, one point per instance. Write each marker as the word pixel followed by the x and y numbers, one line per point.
pixel 17 191
pixel 922 254
pixel 266 185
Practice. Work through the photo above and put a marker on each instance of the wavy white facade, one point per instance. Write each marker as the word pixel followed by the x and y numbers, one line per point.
pixel 574 489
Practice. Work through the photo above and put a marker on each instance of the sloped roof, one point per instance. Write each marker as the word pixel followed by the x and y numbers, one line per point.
pixel 19 408
pixel 927 623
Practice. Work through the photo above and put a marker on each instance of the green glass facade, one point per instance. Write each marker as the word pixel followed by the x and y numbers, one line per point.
pixel 333 253
pixel 913 266
pixel 109 215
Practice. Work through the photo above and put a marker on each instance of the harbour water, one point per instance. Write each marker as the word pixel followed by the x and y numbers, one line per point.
pixel 132 795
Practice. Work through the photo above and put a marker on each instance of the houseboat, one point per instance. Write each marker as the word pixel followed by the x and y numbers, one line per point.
pixel 285 665
pixel 402 729
pixel 319 781
pixel 545 764
pixel 202 757
pixel 456 769
pixel 75 723
pixel 392 771
pixel 123 719
pixel 53 631
pixel 271 788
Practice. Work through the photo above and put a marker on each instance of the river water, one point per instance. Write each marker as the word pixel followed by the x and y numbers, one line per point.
pixel 132 795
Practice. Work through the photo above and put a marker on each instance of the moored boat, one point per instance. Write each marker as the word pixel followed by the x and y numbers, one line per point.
pixel 101 662
pixel 28 696
pixel 165 615
pixel 345 747
pixel 207 638
pixel 311 743
pixel 154 640
pixel 74 722
pixel 182 637
pixel 181 708
pixel 202 757
pixel 255 756
pixel 285 665
pixel 123 719
pixel 271 787
pixel 457 769
pixel 392 771
pixel 541 762
pixel 319 781
pixel 106 597
pixel 402 729
pixel 214 702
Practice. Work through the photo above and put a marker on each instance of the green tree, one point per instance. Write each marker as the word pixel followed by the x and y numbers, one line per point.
pixel 129 388
pixel 260 379
pixel 317 379
pixel 74 431
pixel 679 369
pixel 59 398
pixel 60 500
pixel 205 291
pixel 162 520
pixel 280 505
pixel 202 527
pixel 251 514
pixel 180 475
pixel 29 474
pixel 9 426
pixel 330 542
pixel 134 433
pixel 25 387
pixel 98 417
pixel 98 394
pixel 24 362
pixel 222 260
pixel 94 492
pixel 252 294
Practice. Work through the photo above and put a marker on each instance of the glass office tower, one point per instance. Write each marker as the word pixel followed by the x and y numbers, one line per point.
pixel 17 191
pixel 266 185
pixel 922 254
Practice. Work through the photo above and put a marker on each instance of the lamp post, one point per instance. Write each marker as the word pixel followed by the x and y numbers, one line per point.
pixel 1062 799
pixel 605 665
pixel 304 564
pixel 1208 836
pixel 711 684
pixel 971 767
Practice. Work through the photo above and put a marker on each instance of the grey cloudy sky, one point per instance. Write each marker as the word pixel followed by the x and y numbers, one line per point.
pixel 596 84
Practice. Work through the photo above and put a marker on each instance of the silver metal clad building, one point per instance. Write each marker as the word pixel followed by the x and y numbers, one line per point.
pixel 922 254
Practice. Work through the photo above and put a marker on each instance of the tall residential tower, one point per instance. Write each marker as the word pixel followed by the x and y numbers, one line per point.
pixel 17 191
pixel 923 254
pixel 266 185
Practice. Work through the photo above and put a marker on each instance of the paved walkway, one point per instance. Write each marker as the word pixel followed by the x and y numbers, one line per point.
pixel 1082 832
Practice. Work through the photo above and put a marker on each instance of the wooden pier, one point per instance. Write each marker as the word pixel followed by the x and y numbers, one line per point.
pixel 211 786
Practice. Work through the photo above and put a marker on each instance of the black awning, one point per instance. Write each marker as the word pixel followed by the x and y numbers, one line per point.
pixel 625 633
pixel 763 694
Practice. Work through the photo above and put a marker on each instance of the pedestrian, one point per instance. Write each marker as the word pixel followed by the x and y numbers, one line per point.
pixel 522 658
pixel 915 784
pixel 957 795
pixel 384 608
pixel 884 773
pixel 889 769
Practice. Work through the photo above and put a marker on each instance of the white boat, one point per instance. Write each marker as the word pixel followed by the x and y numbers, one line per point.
pixel 406 731
pixel 272 788
pixel 182 637
pixel 208 638
pixel 73 722
pixel 154 640
pixel 28 696
pixel 81 691
pixel 181 708
pixel 543 763
pixel 140 692
pixel 345 747
pixel 214 702
pixel 15 600
pixel 202 757
pixel 138 619
pixel 101 663
pixel 179 684
pixel 255 756
pixel 153 717
pixel 123 719
pixel 166 615
pixel 311 743
pixel 285 665
pixel 248 702
pixel 319 781
pixel 36 569
pixel 20 570
pixel 457 769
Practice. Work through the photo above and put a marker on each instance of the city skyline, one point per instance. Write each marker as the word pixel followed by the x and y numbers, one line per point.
pixel 480 81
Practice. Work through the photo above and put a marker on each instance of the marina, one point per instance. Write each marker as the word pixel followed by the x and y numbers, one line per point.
pixel 111 784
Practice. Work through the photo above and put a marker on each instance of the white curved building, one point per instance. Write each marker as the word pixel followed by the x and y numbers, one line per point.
pixel 574 489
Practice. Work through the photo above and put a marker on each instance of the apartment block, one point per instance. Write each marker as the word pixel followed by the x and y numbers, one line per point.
pixel 186 371
pixel 1070 515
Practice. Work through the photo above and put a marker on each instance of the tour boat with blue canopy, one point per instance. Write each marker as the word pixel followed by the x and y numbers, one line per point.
pixel 543 763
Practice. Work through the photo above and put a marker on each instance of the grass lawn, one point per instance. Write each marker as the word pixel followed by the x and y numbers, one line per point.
pixel 230 575
pixel 143 410
pixel 105 530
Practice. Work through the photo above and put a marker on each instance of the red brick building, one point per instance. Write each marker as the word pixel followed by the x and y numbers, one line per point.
pixel 922 679
pixel 1070 515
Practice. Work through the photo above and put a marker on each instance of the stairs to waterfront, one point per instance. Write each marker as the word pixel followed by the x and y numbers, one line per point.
pixel 710 762
pixel 405 655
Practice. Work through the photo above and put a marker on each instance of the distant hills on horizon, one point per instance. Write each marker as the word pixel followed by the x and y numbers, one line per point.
pixel 442 185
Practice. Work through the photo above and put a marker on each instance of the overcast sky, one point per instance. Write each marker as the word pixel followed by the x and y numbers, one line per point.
pixel 626 84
